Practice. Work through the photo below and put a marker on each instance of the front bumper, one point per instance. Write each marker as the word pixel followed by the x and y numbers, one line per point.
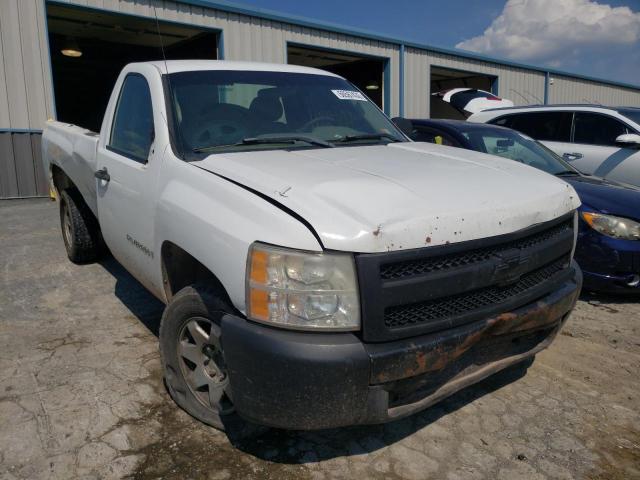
pixel 298 380
pixel 609 264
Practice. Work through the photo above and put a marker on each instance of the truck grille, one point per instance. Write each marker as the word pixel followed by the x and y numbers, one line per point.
pixel 450 306
pixel 415 292
pixel 427 265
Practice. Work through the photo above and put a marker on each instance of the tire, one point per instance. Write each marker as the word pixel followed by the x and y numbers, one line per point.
pixel 193 358
pixel 80 229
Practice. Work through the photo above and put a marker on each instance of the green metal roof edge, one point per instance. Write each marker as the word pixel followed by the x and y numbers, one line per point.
pixel 267 14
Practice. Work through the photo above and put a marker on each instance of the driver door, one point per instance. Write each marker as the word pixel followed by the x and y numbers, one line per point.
pixel 594 149
pixel 127 171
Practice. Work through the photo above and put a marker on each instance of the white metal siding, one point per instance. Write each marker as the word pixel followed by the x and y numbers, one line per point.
pixel 522 86
pixel 26 97
pixel 25 78
pixel 255 39
pixel 573 90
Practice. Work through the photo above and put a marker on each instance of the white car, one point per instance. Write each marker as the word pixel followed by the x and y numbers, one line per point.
pixel 319 268
pixel 597 140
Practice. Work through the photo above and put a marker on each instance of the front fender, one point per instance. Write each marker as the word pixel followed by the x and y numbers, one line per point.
pixel 215 221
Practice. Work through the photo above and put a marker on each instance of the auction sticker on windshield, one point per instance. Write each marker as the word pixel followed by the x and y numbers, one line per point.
pixel 349 95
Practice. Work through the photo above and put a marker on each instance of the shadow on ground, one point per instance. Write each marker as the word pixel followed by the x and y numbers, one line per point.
pixel 299 447
pixel 147 308
pixel 606 300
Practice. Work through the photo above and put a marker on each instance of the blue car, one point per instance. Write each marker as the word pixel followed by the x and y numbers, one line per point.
pixel 608 249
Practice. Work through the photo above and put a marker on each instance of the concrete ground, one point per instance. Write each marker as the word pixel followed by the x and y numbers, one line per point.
pixel 81 394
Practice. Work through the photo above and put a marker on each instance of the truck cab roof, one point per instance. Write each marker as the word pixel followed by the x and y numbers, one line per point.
pixel 176 66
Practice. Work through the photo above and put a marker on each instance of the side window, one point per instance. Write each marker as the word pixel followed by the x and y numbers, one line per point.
pixel 433 136
pixel 132 132
pixel 504 121
pixel 553 126
pixel 596 129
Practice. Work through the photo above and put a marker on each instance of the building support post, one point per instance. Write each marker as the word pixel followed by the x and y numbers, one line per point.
pixel 546 87
pixel 401 86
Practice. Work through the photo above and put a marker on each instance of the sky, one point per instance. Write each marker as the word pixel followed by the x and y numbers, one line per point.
pixel 596 38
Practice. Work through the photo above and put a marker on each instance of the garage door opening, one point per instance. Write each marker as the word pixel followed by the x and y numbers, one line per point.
pixel 364 72
pixel 446 79
pixel 89 48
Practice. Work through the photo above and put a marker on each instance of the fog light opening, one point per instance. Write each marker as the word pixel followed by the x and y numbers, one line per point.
pixel 634 281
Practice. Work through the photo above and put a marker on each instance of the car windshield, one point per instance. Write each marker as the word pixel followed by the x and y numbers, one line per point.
pixel 217 111
pixel 516 146
pixel 631 114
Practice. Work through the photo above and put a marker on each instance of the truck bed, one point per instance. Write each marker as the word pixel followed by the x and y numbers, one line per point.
pixel 73 149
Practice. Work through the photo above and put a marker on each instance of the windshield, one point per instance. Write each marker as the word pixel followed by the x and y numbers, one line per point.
pixel 633 115
pixel 515 146
pixel 229 111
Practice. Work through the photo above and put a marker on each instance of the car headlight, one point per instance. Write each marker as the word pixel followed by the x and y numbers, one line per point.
pixel 616 227
pixel 302 290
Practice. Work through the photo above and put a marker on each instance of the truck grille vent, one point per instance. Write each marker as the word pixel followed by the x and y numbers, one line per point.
pixel 412 268
pixel 417 313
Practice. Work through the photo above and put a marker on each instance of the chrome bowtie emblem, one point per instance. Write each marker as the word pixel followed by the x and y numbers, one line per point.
pixel 511 265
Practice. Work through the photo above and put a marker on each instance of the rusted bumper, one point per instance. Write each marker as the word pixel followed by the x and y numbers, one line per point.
pixel 301 380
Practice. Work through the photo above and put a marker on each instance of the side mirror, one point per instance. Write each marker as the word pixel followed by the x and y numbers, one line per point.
pixel 404 125
pixel 628 140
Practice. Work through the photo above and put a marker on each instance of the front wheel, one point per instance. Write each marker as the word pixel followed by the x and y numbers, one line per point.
pixel 192 355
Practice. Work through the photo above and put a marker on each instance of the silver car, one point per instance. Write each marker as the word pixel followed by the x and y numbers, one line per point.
pixel 597 140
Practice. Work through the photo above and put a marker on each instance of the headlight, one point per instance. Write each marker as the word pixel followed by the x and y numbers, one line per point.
pixel 302 290
pixel 616 227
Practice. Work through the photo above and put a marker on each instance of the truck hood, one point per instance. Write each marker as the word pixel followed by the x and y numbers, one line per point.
pixel 399 196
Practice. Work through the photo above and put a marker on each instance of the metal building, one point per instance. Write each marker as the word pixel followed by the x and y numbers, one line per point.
pixel 60 58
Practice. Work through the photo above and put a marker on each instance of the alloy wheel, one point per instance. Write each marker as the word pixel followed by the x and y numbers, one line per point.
pixel 202 363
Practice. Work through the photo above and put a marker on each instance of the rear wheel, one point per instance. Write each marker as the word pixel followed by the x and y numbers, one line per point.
pixel 80 230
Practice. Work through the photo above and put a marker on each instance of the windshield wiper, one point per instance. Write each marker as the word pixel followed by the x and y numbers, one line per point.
pixel 270 139
pixel 367 136
pixel 567 173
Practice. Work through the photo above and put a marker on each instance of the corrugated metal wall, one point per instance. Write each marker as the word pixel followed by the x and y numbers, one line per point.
pixel 573 90
pixel 255 39
pixel 26 96
pixel 520 85
pixel 21 172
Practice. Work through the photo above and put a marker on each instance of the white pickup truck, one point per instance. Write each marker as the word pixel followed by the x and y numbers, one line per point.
pixel 319 268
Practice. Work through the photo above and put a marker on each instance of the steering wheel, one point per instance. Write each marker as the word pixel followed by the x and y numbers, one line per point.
pixel 218 132
pixel 314 121
pixel 221 125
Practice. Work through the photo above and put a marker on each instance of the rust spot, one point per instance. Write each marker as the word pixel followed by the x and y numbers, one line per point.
pixel 421 360
pixel 377 231
pixel 506 317
pixel 427 240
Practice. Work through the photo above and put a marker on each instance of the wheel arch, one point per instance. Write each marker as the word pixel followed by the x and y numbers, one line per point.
pixel 180 269
pixel 61 181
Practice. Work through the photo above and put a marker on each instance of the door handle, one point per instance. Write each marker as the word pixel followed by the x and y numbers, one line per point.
pixel 571 156
pixel 102 174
